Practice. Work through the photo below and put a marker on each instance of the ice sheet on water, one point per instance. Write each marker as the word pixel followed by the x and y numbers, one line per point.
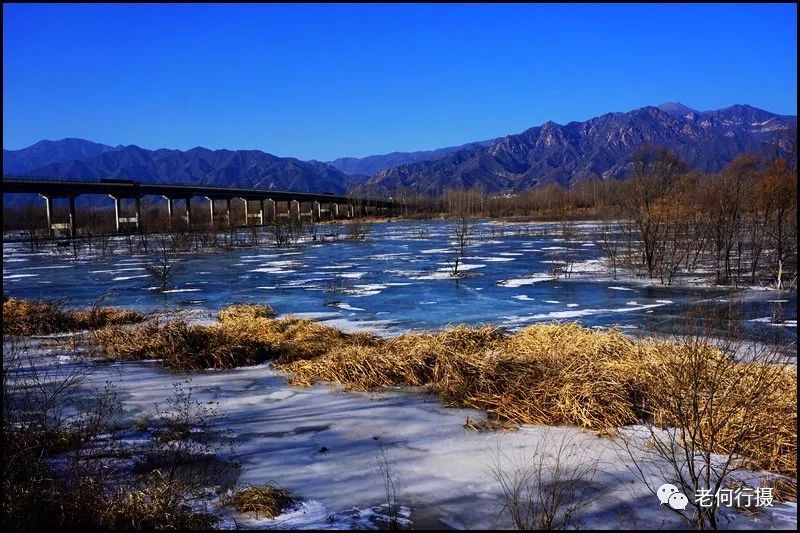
pixel 348 307
pixel 518 282
pixel 490 259
pixel 182 290
pixel 437 251
pixel 351 275
pixel 555 315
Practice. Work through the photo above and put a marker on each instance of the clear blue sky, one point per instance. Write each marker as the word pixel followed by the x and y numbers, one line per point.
pixel 324 81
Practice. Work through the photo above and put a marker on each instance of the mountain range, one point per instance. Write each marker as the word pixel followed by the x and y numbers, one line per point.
pixel 550 153
pixel 597 148
pixel 198 166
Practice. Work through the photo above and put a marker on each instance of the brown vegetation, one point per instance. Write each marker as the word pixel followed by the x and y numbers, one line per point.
pixel 264 501
pixel 39 317
pixel 60 469
pixel 547 374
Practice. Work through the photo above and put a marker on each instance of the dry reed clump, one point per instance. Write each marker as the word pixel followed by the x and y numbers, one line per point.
pixel 784 489
pixel 180 345
pixel 696 385
pixel 38 317
pixel 34 317
pixel 245 311
pixel 105 316
pixel 244 336
pixel 287 339
pixel 546 374
pixel 365 362
pixel 264 500
pixel 157 505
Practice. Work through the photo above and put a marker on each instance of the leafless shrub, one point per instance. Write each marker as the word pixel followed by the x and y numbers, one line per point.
pixel 609 245
pixel 357 230
pixel 165 264
pixel 547 489
pixel 390 489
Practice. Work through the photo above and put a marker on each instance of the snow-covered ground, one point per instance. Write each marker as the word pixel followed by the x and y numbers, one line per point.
pixel 324 444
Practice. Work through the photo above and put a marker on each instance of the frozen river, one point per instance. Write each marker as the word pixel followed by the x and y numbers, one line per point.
pixel 397 280
pixel 324 444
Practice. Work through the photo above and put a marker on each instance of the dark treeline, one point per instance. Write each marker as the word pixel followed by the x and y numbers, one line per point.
pixel 739 224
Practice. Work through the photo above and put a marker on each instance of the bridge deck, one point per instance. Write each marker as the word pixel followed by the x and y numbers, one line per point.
pixel 70 188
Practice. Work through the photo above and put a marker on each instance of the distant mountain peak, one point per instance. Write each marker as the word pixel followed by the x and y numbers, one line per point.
pixel 676 109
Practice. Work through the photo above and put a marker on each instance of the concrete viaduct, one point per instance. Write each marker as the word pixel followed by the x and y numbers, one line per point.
pixel 266 212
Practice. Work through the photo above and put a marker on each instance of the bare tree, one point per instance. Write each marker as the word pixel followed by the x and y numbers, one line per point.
pixel 165 263
pixel 779 190
pixel 567 254
pixel 357 230
pixel 653 172
pixel 609 245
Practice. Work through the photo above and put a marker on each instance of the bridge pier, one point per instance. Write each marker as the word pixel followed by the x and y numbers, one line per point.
pixel 116 212
pixel 334 209
pixel 138 201
pixel 188 211
pixel 294 211
pixel 228 212
pixel 48 206
pixel 211 209
pixel 169 208
pixel 72 228
pixel 315 211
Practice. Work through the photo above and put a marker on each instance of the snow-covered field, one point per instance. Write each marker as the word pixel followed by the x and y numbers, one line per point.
pixel 324 444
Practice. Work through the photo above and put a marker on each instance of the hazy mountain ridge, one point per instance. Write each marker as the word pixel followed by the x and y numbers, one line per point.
pixel 47 152
pixel 201 166
pixel 371 165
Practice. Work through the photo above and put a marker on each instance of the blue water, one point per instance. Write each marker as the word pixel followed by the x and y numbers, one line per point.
pixel 391 281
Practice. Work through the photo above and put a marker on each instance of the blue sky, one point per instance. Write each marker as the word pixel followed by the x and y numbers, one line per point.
pixel 326 81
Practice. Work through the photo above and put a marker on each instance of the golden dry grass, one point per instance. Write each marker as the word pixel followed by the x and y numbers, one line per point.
pixel 39 317
pixel 245 311
pixel 548 374
pixel 265 501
